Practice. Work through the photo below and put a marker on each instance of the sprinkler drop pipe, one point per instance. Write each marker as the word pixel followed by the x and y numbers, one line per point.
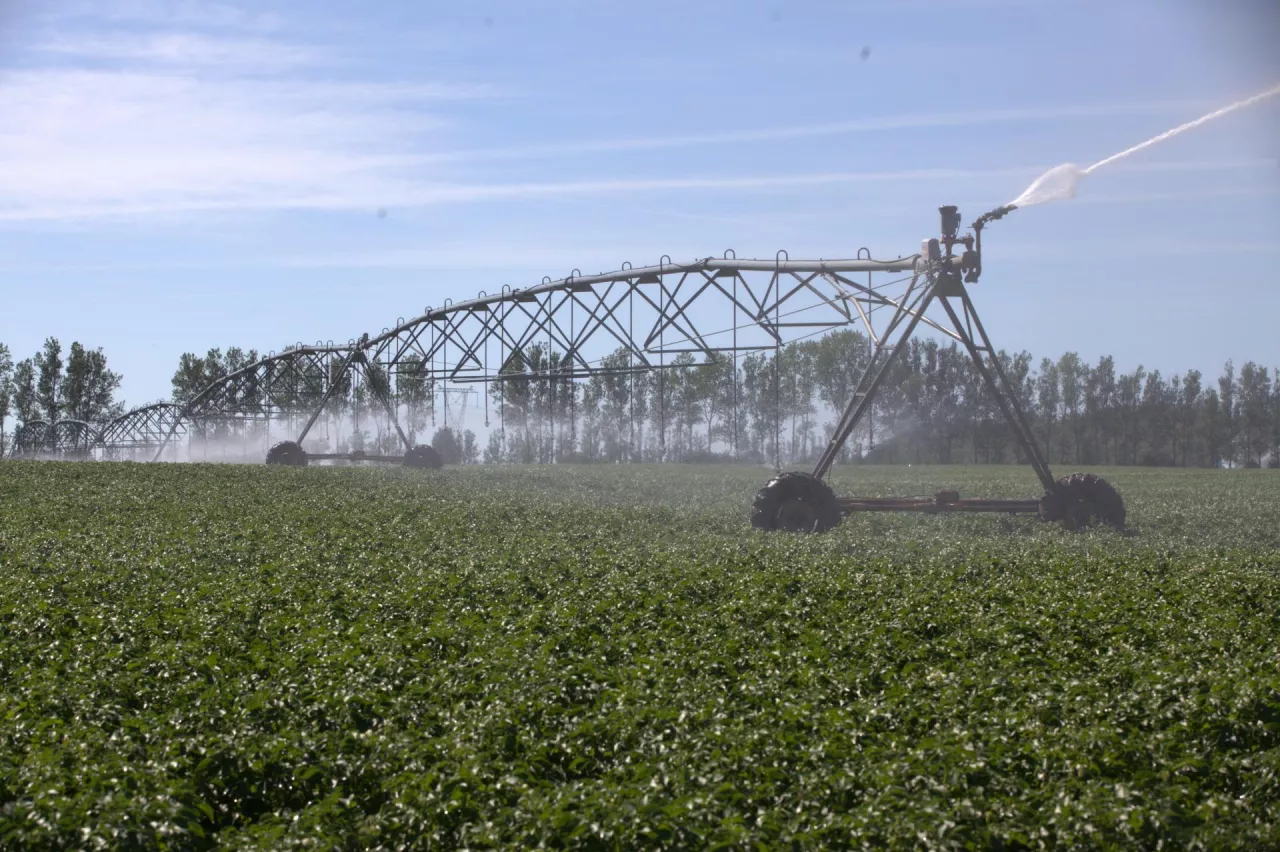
pixel 975 269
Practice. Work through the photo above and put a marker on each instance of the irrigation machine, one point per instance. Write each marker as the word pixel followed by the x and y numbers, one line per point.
pixel 796 501
pixel 648 312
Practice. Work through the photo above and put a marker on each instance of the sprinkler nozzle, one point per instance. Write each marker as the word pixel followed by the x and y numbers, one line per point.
pixel 991 216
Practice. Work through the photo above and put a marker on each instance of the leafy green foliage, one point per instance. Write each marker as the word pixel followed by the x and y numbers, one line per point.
pixel 580 657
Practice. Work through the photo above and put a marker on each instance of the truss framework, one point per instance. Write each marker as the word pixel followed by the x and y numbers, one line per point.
pixel 136 432
pixel 710 306
pixel 727 306
pixel 946 287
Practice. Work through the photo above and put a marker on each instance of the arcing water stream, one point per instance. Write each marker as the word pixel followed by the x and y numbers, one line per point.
pixel 1060 181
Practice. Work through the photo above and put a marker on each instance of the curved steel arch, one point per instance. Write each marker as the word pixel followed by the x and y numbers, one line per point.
pixel 30 438
pixel 711 305
pixel 143 427
pixel 73 437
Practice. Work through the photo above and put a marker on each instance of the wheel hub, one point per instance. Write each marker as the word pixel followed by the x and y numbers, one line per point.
pixel 797 515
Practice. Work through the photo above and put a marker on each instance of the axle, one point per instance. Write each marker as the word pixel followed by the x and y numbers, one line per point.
pixel 356 456
pixel 943 501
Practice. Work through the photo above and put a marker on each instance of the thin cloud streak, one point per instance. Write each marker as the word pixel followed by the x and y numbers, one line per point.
pixel 395 196
pixel 186 50
pixel 93 142
pixel 191 125
pixel 191 13
pixel 920 121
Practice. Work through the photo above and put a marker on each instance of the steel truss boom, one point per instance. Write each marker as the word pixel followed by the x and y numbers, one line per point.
pixel 708 306
pixel 577 326
pixel 725 305
pixel 144 428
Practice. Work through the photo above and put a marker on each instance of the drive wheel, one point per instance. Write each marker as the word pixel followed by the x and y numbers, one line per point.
pixel 795 502
pixel 1081 499
pixel 287 453
pixel 423 456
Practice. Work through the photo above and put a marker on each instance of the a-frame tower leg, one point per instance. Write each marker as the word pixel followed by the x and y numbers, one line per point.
pixel 987 361
pixel 803 502
pixel 893 341
pixel 947 287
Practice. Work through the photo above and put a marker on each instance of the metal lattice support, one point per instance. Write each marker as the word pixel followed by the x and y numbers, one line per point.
pixel 803 502
pixel 143 430
pixel 30 439
pixel 73 438
pixel 650 312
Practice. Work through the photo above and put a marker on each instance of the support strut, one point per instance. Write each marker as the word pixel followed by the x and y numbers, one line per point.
pixel 997 382
pixel 945 282
pixel 380 391
pixel 334 383
pixel 886 352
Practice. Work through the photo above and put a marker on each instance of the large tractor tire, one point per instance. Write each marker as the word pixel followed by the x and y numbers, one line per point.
pixel 423 456
pixel 795 502
pixel 288 453
pixel 1081 499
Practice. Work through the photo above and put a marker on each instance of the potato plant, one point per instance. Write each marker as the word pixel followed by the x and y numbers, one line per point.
pixel 244 657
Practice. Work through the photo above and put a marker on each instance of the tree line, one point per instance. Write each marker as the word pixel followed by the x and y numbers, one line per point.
pixel 932 408
pixel 48 387
pixel 352 421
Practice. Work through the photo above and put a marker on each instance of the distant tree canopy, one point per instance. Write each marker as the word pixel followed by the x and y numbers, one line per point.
pixel 6 390
pixel 88 388
pixel 196 372
pixel 47 387
pixel 447 445
pixel 932 408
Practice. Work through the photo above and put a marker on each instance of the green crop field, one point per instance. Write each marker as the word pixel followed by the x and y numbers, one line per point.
pixel 198 656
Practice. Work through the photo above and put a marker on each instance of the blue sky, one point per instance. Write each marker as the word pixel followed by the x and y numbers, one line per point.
pixel 181 175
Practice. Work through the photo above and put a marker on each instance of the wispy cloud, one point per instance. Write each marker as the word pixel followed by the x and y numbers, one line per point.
pixel 186 50
pixel 136 121
pixel 98 141
pixel 189 13
pixel 881 124
pixel 498 254
pixel 288 181
pixel 198 107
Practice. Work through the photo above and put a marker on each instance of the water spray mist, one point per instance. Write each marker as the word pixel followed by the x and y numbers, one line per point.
pixel 1060 182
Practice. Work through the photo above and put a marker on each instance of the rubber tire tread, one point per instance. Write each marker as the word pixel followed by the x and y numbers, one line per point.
pixel 1093 495
pixel 423 457
pixel 787 486
pixel 288 453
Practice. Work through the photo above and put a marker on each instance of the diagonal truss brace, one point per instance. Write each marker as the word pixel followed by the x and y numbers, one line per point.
pixel 380 388
pixel 334 383
pixel 945 285
pixel 913 304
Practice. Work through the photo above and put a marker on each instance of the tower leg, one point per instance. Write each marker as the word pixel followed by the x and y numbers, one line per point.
pixel 892 342
pixel 381 393
pixel 987 362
